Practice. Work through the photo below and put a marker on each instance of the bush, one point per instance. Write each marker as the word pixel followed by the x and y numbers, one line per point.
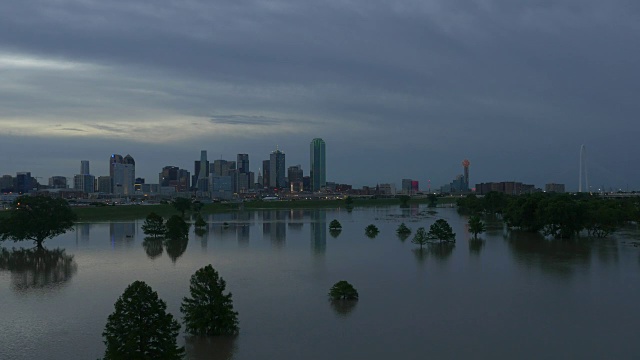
pixel 342 290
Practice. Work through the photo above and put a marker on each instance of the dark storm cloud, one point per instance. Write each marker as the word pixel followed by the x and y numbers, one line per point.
pixel 418 86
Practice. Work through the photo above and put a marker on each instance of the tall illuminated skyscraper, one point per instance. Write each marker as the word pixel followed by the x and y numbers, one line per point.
pixel 318 165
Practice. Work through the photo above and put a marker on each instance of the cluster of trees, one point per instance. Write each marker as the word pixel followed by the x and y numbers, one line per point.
pixel 141 328
pixel 557 215
pixel 439 232
pixel 37 218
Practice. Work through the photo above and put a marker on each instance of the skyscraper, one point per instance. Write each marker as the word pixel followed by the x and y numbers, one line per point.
pixel 84 167
pixel 318 164
pixel 200 179
pixel 123 174
pixel 277 170
pixel 266 173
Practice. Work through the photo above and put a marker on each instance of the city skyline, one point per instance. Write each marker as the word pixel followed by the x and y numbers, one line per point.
pixel 412 88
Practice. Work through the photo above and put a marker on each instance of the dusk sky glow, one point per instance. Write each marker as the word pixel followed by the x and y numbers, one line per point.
pixel 402 89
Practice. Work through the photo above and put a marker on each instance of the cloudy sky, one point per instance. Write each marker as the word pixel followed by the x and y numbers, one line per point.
pixel 397 89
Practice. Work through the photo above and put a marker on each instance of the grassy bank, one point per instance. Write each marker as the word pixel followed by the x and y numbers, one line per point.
pixel 132 212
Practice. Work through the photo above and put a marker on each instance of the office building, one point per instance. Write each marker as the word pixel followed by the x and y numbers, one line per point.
pixel 553 187
pixel 318 164
pixel 84 183
pixel 277 170
pixel 173 177
pixel 266 173
pixel 56 182
pixel 123 174
pixel 84 167
pixel 295 177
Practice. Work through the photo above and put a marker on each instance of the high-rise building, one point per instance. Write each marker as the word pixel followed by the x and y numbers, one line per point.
pixel 57 182
pixel 266 173
pixel 172 176
pixel 277 170
pixel 123 174
pixel 84 167
pixel 295 176
pixel 243 163
pixel 104 184
pixel 318 164
pixel 84 183
pixel 243 177
pixel 201 169
pixel 223 167
pixel 24 182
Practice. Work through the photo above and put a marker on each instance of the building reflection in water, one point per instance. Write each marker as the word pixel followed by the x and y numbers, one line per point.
pixel 274 227
pixel 37 268
pixel 83 232
pixel 122 233
pixel 318 226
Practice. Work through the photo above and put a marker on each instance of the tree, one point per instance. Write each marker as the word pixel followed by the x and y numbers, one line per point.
pixel 196 206
pixel 476 226
pixel 177 228
pixel 348 201
pixel 37 218
pixel 433 200
pixel 371 231
pixel 182 205
pixel 403 232
pixel 209 311
pixel 404 200
pixel 335 225
pixel 140 327
pixel 342 290
pixel 441 231
pixel 200 223
pixel 403 229
pixel 154 226
pixel 420 238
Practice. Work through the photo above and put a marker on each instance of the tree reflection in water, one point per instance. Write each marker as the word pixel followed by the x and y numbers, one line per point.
pixel 152 246
pixel 176 247
pixel 440 251
pixel 343 307
pixel 475 245
pixel 37 268
pixel 210 347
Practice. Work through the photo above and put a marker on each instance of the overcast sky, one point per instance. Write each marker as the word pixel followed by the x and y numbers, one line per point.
pixel 397 89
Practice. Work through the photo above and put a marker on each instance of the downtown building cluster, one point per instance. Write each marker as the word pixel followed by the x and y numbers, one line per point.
pixel 220 179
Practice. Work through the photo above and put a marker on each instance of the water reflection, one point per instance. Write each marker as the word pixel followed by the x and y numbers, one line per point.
pixel 83 232
pixel 475 245
pixel 441 251
pixel 557 257
pixel 153 247
pixel 175 247
pixel 318 225
pixel 37 268
pixel 210 347
pixel 274 227
pixel 421 255
pixel 403 236
pixel 343 307
pixel 122 233
pixel 335 232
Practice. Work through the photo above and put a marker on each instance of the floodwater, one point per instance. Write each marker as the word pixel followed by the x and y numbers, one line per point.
pixel 506 296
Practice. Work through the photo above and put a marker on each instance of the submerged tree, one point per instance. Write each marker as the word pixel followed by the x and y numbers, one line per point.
pixel 403 229
pixel 209 311
pixel 441 231
pixel 476 226
pixel 342 290
pixel 420 238
pixel 177 228
pixel 154 226
pixel 335 225
pixel 371 231
pixel 37 218
pixel 200 223
pixel 140 327
pixel 404 200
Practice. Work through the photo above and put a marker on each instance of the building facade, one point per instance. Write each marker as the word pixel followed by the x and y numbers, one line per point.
pixel 318 164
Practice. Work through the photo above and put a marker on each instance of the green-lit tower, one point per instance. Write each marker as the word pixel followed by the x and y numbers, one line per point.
pixel 318 166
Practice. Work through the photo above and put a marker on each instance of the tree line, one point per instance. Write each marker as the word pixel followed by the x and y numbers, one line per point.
pixel 560 216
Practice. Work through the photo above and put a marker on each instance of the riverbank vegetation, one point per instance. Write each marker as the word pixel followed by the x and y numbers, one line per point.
pixel 132 212
pixel 559 216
